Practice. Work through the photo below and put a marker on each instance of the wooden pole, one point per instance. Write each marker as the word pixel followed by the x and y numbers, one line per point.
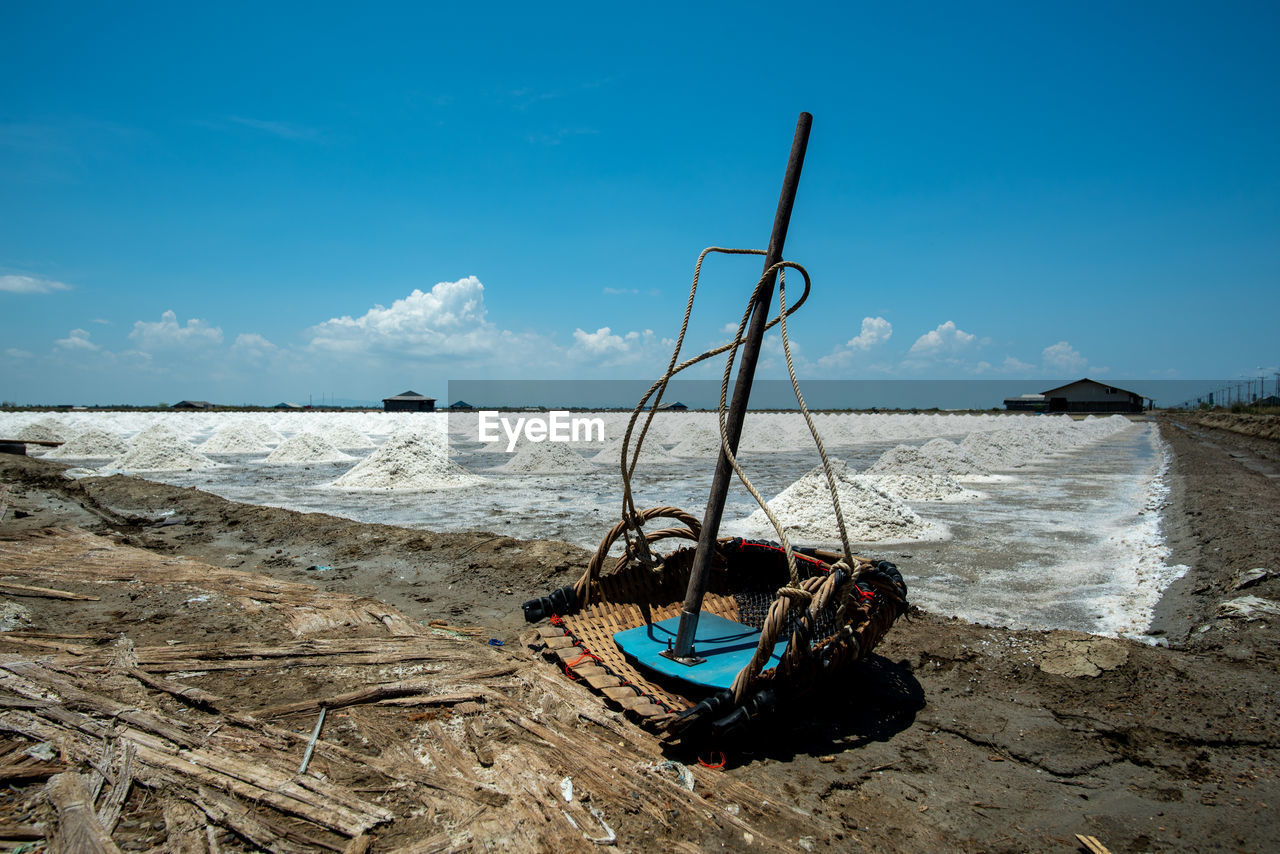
pixel 701 571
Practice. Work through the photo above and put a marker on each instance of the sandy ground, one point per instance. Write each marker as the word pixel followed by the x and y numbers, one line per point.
pixel 953 736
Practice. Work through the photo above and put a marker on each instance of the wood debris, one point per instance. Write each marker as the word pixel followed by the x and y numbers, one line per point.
pixel 433 739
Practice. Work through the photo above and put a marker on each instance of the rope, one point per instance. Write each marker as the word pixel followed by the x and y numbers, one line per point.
pixel 796 592
pixel 656 390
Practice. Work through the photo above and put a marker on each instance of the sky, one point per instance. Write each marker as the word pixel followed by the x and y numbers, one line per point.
pixel 254 203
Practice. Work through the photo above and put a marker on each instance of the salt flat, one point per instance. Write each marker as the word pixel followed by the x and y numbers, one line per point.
pixel 1059 527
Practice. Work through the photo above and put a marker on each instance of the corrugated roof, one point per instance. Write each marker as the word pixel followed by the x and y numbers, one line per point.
pixel 408 395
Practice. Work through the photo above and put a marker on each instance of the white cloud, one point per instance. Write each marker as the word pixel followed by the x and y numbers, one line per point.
pixel 77 339
pixel 252 344
pixel 1063 357
pixel 944 340
pixel 875 330
pixel 15 353
pixel 30 285
pixel 607 348
pixel 1014 365
pixel 167 334
pixel 449 321
pixel 599 342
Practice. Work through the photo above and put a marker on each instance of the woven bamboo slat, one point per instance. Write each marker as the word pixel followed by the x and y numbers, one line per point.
pixel 743 574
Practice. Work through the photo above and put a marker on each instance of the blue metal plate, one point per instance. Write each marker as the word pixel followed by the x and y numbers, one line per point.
pixel 727 647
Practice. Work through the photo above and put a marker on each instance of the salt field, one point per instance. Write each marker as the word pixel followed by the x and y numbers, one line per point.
pixel 1023 521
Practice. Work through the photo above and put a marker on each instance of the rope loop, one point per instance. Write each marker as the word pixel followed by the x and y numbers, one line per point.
pixel 811 591
pixel 795 593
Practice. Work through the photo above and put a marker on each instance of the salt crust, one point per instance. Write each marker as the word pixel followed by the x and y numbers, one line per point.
pixel 871 515
pixel 306 448
pixel 546 458
pixel 409 460
pixel 92 444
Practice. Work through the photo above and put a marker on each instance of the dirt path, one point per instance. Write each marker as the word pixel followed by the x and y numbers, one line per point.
pixel 953 737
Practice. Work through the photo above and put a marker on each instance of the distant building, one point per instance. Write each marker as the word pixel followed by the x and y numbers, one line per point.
pixel 460 404
pixel 673 407
pixel 1026 403
pixel 1269 400
pixel 409 401
pixel 287 405
pixel 1086 395
pixel 192 404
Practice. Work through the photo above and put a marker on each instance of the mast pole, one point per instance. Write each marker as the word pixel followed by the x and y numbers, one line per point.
pixel 701 571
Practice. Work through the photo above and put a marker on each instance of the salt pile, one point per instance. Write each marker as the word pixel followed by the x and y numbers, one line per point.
pixel 262 433
pixel 546 458
pixel 904 459
pixel 952 459
pixel 45 430
pixel 698 442
pixel 306 448
pixel 347 438
pixel 922 487
pixel 152 432
pixel 161 453
pixel 91 444
pixel 408 460
pixel 650 451
pixel 910 474
pixel 871 515
pixel 234 439
pixel 775 434
pixel 1001 449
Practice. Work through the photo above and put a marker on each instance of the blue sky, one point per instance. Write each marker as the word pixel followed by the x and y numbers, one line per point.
pixel 262 202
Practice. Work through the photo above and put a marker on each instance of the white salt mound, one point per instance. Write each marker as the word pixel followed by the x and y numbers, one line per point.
pixel 306 448
pixel 953 459
pixel 90 445
pixel 912 475
pixel 234 439
pixel 912 486
pixel 650 452
pixel 1001 449
pixel 904 459
pixel 47 430
pixel 870 514
pixel 697 443
pixel 153 432
pixel 347 438
pixel 546 458
pixel 161 454
pixel 409 461
pixel 263 433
